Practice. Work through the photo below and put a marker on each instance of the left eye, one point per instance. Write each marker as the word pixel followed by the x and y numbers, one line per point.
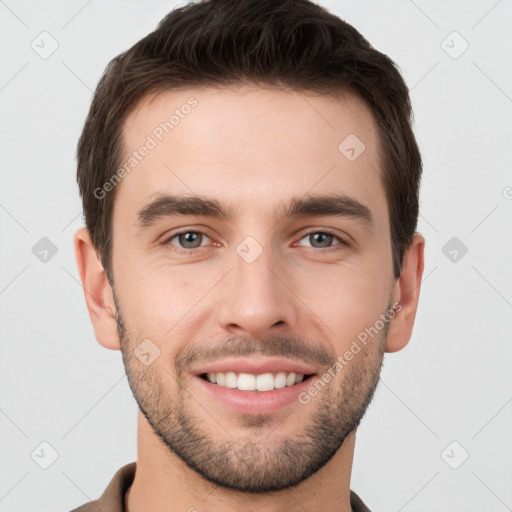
pixel 189 239
pixel 322 239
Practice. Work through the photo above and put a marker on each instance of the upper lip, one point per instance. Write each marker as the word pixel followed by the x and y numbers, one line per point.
pixel 255 366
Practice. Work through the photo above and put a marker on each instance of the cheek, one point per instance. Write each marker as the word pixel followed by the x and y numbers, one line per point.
pixel 161 301
pixel 347 301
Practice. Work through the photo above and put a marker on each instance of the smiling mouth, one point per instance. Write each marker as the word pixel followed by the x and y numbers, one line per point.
pixel 250 382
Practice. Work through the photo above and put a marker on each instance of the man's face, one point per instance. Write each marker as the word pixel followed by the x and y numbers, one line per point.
pixel 255 292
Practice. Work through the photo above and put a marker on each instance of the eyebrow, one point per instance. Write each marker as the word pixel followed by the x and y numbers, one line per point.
pixel 336 205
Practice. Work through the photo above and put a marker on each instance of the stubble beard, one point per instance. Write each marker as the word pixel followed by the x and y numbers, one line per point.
pixel 263 459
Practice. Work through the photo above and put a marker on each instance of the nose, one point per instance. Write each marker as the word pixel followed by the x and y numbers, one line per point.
pixel 256 300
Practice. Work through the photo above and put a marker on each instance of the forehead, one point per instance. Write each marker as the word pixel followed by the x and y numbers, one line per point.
pixel 250 144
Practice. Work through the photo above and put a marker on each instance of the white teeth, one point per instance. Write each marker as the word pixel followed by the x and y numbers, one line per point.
pixel 221 379
pixel 290 379
pixel 280 380
pixel 249 382
pixel 231 380
pixel 265 382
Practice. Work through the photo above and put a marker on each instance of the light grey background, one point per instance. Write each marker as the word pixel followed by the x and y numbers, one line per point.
pixel 451 383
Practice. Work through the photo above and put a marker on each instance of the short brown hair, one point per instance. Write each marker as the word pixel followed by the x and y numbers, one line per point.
pixel 286 43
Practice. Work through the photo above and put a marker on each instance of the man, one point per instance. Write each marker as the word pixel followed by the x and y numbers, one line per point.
pixel 250 185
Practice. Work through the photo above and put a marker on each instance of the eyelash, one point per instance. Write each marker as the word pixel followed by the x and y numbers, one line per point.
pixel 167 241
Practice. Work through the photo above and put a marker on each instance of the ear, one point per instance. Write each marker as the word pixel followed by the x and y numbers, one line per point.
pixel 407 293
pixel 97 291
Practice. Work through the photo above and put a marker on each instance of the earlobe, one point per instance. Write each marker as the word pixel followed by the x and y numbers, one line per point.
pixel 97 290
pixel 407 292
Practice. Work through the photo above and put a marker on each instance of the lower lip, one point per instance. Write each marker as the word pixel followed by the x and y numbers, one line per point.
pixel 254 402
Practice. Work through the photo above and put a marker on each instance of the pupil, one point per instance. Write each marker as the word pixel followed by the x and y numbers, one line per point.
pixel 321 236
pixel 189 238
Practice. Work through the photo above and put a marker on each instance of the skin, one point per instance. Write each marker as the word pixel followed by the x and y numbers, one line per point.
pixel 254 149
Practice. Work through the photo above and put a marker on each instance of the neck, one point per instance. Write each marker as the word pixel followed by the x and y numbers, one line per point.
pixel 164 483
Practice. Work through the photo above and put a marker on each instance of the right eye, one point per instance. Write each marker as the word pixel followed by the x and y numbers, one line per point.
pixel 188 240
